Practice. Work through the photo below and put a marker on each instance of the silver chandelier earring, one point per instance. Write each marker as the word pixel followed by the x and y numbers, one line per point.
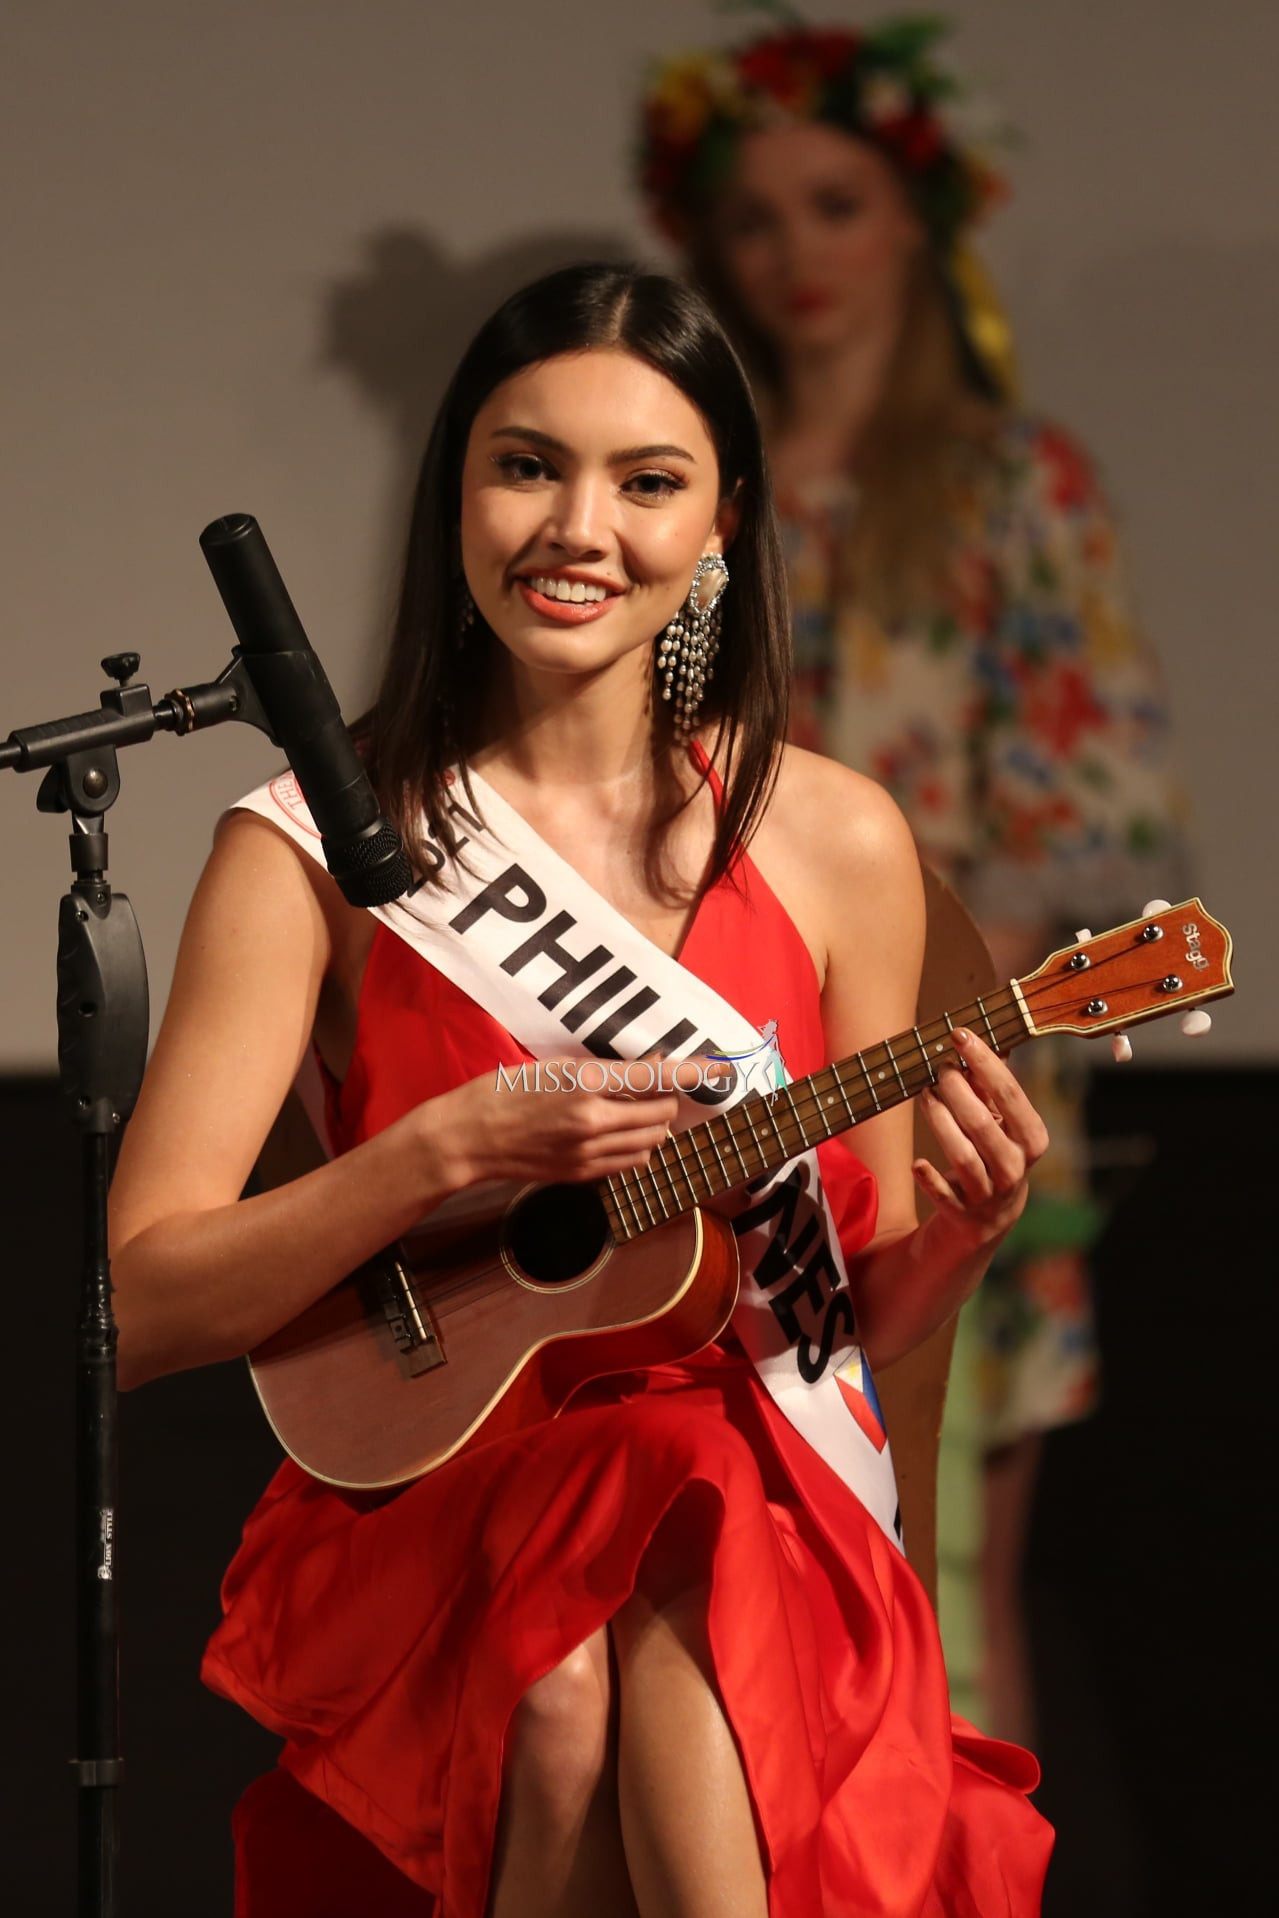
pixel 688 645
pixel 466 614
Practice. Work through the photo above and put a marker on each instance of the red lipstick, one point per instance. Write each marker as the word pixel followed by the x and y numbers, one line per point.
pixel 809 299
pixel 567 612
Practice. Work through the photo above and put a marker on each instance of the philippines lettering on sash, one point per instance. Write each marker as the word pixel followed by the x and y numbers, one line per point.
pixel 517 929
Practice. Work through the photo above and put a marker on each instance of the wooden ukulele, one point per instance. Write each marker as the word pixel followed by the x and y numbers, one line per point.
pixel 492 1313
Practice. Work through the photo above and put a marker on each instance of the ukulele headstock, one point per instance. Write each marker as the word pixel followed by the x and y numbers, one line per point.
pixel 1169 960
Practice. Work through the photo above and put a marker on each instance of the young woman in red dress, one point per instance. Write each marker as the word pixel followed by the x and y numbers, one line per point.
pixel 653 1655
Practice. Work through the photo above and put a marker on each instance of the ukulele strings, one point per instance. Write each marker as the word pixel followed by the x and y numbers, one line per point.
pixel 792 1108
pixel 789 1111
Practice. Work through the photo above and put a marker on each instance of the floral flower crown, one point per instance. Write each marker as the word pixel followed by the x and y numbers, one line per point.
pixel 881 84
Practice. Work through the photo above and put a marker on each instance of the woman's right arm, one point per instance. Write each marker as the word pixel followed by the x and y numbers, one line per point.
pixel 200 1274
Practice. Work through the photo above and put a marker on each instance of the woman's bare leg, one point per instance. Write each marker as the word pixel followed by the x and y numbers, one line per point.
pixel 629 1799
pixel 559 1842
pixel 687 1822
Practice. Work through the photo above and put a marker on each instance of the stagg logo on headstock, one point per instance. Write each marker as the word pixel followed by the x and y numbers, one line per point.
pixel 1195 955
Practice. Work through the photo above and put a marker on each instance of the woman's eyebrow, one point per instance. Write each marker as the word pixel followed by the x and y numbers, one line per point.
pixel 618 458
pixel 651 453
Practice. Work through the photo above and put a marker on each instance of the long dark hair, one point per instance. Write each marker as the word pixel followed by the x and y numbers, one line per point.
pixel 423 719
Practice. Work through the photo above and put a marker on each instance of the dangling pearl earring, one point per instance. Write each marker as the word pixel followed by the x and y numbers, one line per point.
pixel 688 645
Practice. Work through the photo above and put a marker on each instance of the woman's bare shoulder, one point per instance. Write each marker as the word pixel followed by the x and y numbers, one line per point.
pixel 246 839
pixel 274 883
pixel 833 815
pixel 836 849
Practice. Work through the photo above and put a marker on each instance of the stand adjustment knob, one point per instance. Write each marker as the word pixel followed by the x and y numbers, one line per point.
pixel 121 666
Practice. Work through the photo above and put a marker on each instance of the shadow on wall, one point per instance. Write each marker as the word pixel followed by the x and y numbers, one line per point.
pixel 1177 343
pixel 398 326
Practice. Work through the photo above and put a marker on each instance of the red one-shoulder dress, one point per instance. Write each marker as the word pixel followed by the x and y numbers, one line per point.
pixel 389 1646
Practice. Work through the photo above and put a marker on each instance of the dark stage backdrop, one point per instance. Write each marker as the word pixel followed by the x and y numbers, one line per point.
pixel 1146 1578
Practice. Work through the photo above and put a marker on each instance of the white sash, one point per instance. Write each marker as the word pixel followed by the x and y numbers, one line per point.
pixel 524 936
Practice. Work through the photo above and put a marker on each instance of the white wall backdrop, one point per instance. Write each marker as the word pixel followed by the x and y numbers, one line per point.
pixel 243 244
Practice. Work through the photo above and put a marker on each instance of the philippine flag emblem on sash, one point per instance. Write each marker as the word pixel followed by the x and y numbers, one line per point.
pixel 857 1388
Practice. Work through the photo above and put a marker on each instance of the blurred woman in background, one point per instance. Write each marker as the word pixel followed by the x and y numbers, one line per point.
pixel 960 627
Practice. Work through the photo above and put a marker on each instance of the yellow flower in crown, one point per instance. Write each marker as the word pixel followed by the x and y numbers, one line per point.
pixel 884 98
pixel 689 89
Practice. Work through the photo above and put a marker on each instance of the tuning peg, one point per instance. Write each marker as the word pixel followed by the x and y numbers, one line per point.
pixel 1083 935
pixel 1155 905
pixel 1195 1024
pixel 1121 1046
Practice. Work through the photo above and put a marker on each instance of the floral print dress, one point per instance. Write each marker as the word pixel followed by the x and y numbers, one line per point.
pixel 1020 724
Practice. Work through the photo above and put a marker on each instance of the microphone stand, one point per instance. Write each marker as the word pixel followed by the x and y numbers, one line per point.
pixel 102 1045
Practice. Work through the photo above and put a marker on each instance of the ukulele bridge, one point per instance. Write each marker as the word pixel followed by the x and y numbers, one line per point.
pixel 408 1319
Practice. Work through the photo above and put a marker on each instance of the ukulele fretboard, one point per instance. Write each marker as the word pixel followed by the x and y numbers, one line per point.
pixel 768 1128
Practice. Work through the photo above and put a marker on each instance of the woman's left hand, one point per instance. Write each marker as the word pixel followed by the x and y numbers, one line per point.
pixel 989 1134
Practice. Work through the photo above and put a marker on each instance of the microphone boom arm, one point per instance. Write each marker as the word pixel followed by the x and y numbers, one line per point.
pixel 127 717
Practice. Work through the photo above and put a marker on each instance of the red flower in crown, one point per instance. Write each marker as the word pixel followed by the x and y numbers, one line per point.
pixel 767 67
pixel 915 136
pixel 786 64
pixel 662 173
pixel 832 49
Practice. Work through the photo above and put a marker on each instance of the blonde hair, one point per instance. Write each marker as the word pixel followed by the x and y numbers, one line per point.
pixel 930 431
pixel 933 427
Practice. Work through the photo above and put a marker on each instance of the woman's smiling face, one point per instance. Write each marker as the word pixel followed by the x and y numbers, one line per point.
pixel 590 490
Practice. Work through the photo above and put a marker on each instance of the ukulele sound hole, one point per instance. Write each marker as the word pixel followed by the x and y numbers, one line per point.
pixel 557 1233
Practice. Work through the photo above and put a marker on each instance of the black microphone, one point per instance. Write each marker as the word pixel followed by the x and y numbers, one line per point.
pixel 363 851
